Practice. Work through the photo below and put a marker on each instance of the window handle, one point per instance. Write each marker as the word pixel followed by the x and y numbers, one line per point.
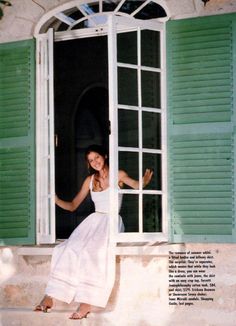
pixel 56 140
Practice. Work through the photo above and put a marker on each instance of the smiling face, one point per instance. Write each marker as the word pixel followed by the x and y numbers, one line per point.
pixel 96 161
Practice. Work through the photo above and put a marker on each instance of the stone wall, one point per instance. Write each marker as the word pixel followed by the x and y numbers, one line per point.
pixel 140 295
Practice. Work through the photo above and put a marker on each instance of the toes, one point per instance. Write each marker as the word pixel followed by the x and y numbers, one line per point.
pixel 78 315
pixel 75 315
pixel 38 308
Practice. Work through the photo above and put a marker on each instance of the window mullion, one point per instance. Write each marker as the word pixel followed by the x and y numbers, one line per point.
pixel 164 169
pixel 113 114
pixel 140 136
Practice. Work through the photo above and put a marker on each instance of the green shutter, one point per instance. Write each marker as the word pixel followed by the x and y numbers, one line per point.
pixel 17 143
pixel 201 56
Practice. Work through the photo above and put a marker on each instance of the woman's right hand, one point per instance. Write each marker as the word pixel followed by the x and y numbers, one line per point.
pixel 56 199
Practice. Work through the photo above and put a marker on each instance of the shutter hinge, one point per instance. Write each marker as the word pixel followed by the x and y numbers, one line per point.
pixel 38 226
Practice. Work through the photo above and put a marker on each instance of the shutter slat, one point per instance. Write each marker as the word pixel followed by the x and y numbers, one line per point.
pixel 11 233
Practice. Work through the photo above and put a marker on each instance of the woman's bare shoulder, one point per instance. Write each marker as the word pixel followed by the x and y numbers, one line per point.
pixel 87 180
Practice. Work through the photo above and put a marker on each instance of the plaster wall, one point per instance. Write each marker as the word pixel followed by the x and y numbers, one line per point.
pixel 140 294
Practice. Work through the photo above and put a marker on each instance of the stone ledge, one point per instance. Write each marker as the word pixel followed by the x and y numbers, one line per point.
pixel 26 317
pixel 157 249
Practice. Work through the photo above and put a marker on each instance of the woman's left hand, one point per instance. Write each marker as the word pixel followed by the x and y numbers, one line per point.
pixel 147 177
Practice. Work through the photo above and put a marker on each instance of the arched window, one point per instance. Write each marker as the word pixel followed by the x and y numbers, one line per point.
pixel 86 14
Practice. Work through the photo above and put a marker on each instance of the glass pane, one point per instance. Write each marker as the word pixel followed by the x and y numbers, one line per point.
pixel 151 130
pixel 150 11
pixel 150 48
pixel 151 89
pixel 127 47
pixel 109 6
pixel 127 86
pixel 129 213
pixel 130 5
pixel 91 8
pixel 128 161
pixel 127 128
pixel 152 213
pixel 153 162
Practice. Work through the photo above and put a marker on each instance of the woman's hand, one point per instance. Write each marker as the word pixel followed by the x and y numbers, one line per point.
pixel 124 178
pixel 147 177
pixel 56 199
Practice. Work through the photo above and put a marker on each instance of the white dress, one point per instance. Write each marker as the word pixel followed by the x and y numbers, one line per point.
pixel 83 267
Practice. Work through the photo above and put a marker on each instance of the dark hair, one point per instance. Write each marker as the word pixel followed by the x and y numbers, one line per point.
pixel 97 149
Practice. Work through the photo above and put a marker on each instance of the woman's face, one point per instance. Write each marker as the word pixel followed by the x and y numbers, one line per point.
pixel 96 161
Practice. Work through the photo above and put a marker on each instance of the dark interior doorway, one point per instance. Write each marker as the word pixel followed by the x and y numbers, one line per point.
pixel 81 118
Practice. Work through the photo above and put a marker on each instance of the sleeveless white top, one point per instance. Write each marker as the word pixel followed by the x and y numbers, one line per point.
pixel 101 199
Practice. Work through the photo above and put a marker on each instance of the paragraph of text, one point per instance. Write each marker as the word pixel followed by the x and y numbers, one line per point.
pixel 191 277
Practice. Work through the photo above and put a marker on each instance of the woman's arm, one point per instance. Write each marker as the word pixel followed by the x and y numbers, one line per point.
pixel 72 205
pixel 124 178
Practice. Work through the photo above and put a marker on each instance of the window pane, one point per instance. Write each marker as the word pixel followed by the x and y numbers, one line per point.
pixel 153 162
pixel 152 214
pixel 128 161
pixel 127 86
pixel 127 47
pixel 129 213
pixel 128 128
pixel 151 89
pixel 151 130
pixel 151 10
pixel 130 5
pixel 91 8
pixel 109 6
pixel 150 48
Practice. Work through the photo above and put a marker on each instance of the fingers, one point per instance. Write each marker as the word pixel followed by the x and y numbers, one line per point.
pixel 148 173
pixel 147 177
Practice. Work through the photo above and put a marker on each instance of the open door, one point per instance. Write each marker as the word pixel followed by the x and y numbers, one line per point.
pixel 137 110
pixel 45 140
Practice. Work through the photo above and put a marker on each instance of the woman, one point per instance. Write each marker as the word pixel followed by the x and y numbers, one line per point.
pixel 82 267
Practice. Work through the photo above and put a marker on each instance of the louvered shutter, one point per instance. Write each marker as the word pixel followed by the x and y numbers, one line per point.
pixel 17 143
pixel 201 63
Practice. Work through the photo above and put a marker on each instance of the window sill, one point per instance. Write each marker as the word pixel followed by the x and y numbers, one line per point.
pixel 122 249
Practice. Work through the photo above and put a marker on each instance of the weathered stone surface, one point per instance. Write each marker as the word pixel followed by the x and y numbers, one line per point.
pixel 139 297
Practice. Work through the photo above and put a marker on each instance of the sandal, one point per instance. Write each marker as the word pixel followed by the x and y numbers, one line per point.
pixel 83 311
pixel 45 305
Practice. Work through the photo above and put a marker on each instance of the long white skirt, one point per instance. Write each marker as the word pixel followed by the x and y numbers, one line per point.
pixel 83 267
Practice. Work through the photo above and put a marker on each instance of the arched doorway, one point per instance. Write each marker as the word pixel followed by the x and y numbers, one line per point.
pixel 82 43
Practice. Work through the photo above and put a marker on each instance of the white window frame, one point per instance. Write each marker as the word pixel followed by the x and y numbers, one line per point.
pixel 45 156
pixel 125 24
pixel 45 130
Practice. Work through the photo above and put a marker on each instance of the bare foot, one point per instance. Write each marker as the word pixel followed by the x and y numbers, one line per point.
pixel 45 305
pixel 82 311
